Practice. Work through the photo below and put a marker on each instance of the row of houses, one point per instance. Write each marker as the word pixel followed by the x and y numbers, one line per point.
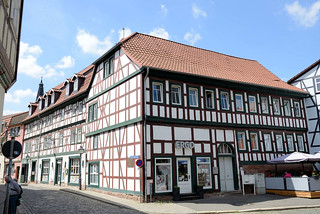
pixel 190 116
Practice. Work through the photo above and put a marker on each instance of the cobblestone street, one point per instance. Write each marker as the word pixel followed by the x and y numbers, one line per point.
pixel 39 200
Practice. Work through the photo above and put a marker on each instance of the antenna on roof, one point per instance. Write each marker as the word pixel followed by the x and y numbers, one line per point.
pixel 123 33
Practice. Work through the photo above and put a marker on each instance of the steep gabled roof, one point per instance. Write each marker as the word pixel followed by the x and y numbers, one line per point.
pixel 303 72
pixel 86 73
pixel 157 53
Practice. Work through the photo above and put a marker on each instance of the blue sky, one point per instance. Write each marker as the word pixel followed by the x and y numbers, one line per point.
pixel 61 37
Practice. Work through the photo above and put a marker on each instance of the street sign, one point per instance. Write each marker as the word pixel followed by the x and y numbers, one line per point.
pixel 139 163
pixel 135 157
pixel 17 149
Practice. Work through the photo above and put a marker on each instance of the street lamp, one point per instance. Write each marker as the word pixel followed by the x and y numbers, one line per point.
pixel 27 171
pixel 81 151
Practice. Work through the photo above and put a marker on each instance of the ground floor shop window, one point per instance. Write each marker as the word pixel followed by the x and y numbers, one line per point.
pixel 163 182
pixel 45 171
pixel 74 170
pixel 94 174
pixel 204 172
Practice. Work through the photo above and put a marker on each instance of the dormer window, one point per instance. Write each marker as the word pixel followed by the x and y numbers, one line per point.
pixel 67 89
pixel 108 67
pixel 52 97
pixel 76 84
pixel 40 104
pixel 47 101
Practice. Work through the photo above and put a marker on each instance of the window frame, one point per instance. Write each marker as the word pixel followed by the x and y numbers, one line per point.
pixel 197 97
pixel 42 170
pixel 170 164
pixel 71 159
pixel 257 142
pixel 298 143
pixel 179 86
pixel 79 135
pixel 213 99
pixel 277 144
pixel 262 98
pixel 236 103
pixel 227 100
pixel 61 138
pixel 108 67
pixel 317 83
pixel 96 163
pixel 293 146
pixel 265 143
pixel 294 109
pixel 210 171
pixel 278 106
pixel 284 107
pixel 93 112
pixel 244 141
pixel 73 137
pixel 95 142
pixel 161 90
pixel 255 104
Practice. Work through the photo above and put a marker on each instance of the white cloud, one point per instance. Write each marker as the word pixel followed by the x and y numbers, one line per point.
pixel 127 32
pixel 18 95
pixel 29 66
pixel 90 44
pixel 304 16
pixel 9 111
pixel 164 10
pixel 197 12
pixel 66 62
pixel 192 37
pixel 160 32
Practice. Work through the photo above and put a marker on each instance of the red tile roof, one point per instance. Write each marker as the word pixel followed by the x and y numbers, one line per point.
pixel 86 73
pixel 157 53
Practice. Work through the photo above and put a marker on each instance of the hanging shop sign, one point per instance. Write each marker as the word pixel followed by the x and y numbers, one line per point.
pixel 184 145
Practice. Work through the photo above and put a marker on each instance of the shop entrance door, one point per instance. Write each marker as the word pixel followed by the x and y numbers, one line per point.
pixel 58 172
pixel 33 170
pixel 184 175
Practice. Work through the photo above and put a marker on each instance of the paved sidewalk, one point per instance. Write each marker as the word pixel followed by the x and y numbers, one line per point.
pixel 225 203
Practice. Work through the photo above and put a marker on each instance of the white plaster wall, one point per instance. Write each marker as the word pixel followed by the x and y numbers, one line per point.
pixel 201 134
pixel 162 133
pixel 182 133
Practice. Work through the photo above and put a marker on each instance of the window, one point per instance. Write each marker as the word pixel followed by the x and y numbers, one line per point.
pixel 45 171
pixel 67 89
pixel 290 143
pixel 73 136
pixel 95 142
pixel 108 67
pixel 61 139
pixel 239 102
pixel 209 99
pixel 318 84
pixel 254 142
pixel 163 171
pixel 75 85
pixel 62 114
pixel 225 105
pixel 157 92
pixel 252 104
pixel 279 143
pixel 52 97
pixel 37 145
pixel 93 112
pixel 297 110
pixel 47 143
pixel 176 94
pixel 193 97
pixel 74 109
pixel 300 143
pixel 79 135
pixel 204 172
pixel 80 108
pixel 267 142
pixel 287 108
pixel 94 174
pixel 276 106
pixel 264 105
pixel 241 139
pixel 74 170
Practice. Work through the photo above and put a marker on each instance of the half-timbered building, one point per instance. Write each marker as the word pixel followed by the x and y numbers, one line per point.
pixel 54 132
pixel 190 116
pixel 309 80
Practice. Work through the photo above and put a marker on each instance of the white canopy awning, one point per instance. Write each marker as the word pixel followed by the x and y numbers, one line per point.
pixel 296 157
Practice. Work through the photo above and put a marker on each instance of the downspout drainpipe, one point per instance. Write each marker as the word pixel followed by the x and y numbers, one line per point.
pixel 145 136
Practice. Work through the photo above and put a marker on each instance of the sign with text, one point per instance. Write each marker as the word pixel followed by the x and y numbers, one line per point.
pixel 184 145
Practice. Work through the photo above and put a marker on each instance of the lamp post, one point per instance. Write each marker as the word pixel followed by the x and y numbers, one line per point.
pixel 27 171
pixel 81 151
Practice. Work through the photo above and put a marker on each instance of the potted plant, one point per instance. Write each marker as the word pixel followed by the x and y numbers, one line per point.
pixel 176 193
